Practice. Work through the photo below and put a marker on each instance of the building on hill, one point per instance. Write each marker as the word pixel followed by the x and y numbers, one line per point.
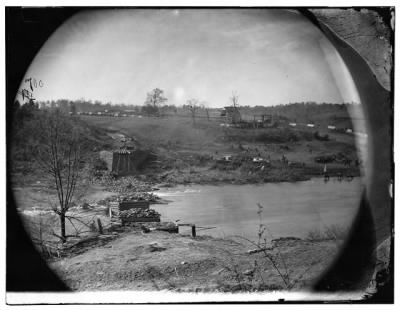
pixel 231 115
pixel 267 120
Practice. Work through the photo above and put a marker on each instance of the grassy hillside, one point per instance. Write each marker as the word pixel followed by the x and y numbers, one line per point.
pixel 181 133
pixel 25 140
pixel 187 152
pixel 161 131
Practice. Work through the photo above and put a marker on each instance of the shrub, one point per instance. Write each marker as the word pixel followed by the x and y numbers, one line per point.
pixel 319 137
pixel 332 232
pixel 277 136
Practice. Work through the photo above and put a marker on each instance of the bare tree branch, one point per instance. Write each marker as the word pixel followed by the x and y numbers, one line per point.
pixel 58 153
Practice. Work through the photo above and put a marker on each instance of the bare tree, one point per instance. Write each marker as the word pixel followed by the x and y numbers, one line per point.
pixel 234 99
pixel 204 105
pixel 193 105
pixel 154 100
pixel 233 111
pixel 58 152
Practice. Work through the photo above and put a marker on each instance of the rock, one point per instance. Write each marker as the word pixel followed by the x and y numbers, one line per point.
pixel 218 271
pixel 155 247
pixel 249 272
pixel 258 250
pixel 105 237
pixel 145 229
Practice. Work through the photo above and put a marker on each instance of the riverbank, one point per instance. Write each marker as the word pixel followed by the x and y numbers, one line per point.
pixel 212 176
pixel 159 261
pixel 222 205
pixel 134 260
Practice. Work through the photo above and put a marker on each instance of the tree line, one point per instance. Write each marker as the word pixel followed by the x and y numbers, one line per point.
pixel 156 104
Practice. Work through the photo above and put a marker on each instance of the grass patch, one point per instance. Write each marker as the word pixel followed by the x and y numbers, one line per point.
pixel 331 232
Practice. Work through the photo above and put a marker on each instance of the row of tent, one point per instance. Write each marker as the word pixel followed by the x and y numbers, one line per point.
pixel 330 127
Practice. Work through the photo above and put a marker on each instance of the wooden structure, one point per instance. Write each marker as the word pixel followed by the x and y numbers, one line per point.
pixel 140 220
pixel 263 120
pixel 231 115
pixel 116 208
pixel 127 205
pixel 128 162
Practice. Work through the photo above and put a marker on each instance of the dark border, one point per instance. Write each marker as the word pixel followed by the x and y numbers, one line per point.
pixel 27 29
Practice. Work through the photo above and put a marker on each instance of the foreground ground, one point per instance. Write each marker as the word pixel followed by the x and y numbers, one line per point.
pixel 134 260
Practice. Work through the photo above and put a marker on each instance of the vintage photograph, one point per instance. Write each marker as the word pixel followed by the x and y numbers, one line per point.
pixel 201 150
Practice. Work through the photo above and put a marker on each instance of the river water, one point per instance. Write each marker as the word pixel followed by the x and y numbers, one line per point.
pixel 289 209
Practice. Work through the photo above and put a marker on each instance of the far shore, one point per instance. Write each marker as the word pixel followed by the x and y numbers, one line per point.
pixel 229 178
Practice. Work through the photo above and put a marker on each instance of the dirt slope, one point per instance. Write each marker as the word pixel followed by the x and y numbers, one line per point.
pixel 163 261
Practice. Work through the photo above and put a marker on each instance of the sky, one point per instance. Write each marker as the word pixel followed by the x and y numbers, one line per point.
pixel 264 56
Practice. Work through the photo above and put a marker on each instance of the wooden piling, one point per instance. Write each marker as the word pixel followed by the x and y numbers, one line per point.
pixel 100 226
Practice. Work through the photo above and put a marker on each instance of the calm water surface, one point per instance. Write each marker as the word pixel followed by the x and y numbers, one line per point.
pixel 289 209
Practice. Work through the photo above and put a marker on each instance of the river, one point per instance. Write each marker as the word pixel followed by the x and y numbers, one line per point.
pixel 289 209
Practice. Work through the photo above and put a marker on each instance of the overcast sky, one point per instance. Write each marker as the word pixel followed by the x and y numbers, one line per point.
pixel 267 57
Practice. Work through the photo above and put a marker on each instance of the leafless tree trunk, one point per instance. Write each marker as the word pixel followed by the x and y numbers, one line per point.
pixel 204 105
pixel 59 154
pixel 193 105
pixel 234 99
